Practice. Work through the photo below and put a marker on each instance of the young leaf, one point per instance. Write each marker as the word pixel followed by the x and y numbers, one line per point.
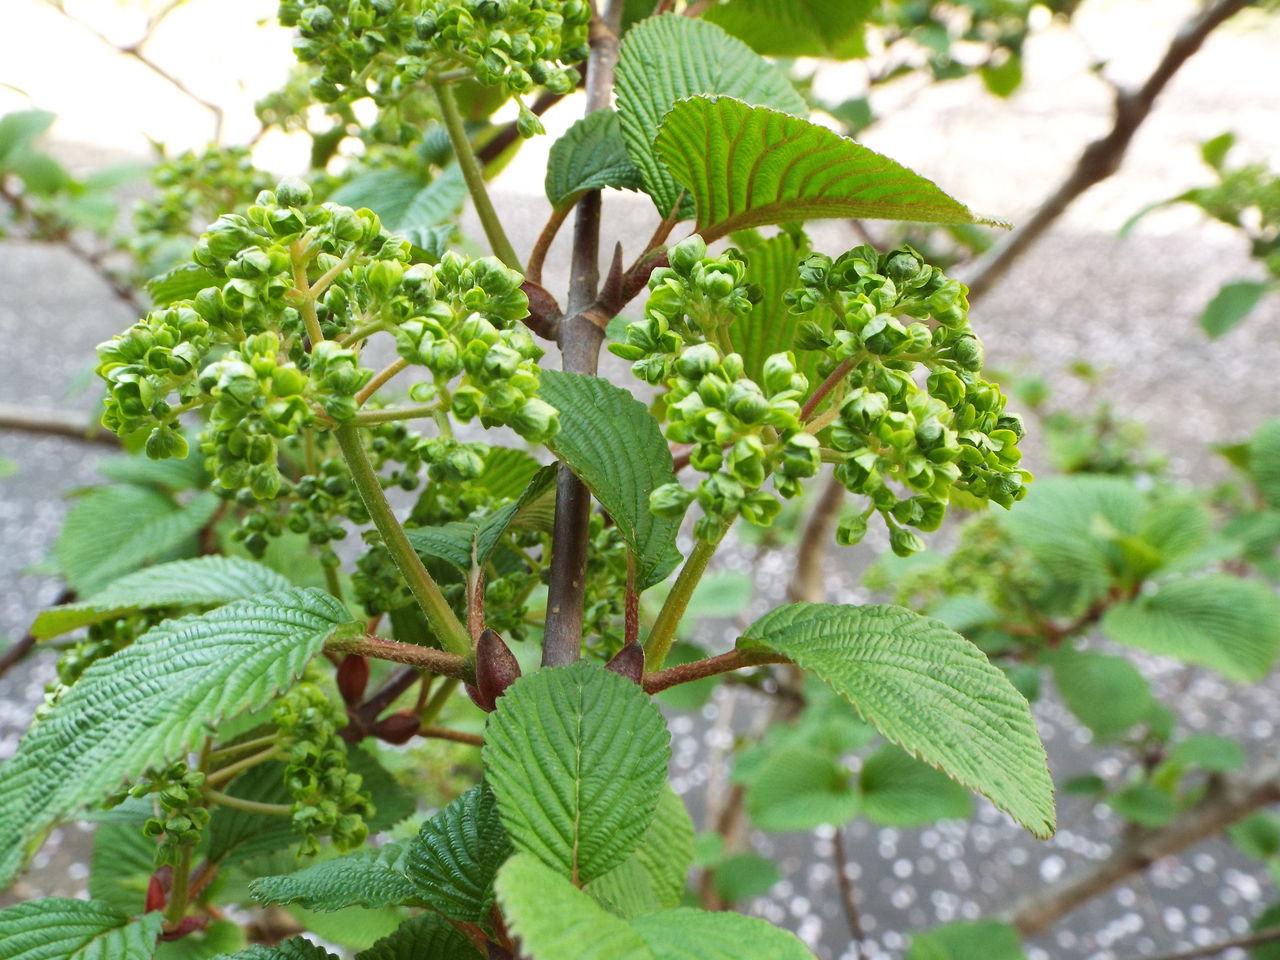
pixel 967 941
pixel 115 530
pixel 19 128
pixel 1206 751
pixel 1231 304
pixel 831 29
pixel 60 929
pixel 613 444
pixel 1218 621
pixel 900 791
pixel 928 690
pixel 198 582
pixel 800 788
pixel 154 702
pixel 770 327
pixel 455 856
pixel 576 757
pixel 295 949
pixel 121 866
pixel 667 58
pixel 372 877
pixel 749 166
pixel 1144 804
pixel 590 156
pixel 1107 694
pixel 183 282
pixel 1264 461
pixel 427 937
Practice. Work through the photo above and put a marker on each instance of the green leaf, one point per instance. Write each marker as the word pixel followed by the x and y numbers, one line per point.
pixel 1269 921
pixel 372 877
pixel 1205 751
pixel 831 29
pixel 455 856
pixel 1264 461
pixel 668 58
pixel 154 702
pixel 183 282
pixel 1145 805
pixel 115 530
pixel 613 444
pixel 745 875
pixel 1218 621
pixel 198 582
pixel 436 203
pixel 748 166
pixel 693 696
pixel 1258 836
pixel 686 934
pixel 1231 304
pixel 967 941
pixel 18 129
pixel 121 866
pixel 576 757
pixel 662 860
pixel 295 949
pixel 770 327
pixel 218 938
pixel 1107 694
pixel 1215 150
pixel 900 791
pixel 625 890
pixel 428 937
pixel 41 175
pixel 928 690
pixel 388 193
pixel 800 788
pixel 59 929
pixel 590 156
pixel 1003 78
pixel 167 476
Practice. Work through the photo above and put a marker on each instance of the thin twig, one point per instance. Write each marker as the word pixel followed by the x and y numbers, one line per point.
pixel 1255 939
pixel 457 736
pixel 55 423
pixel 1103 157
pixel 709 667
pixel 542 246
pixel 811 552
pixel 425 658
pixel 848 895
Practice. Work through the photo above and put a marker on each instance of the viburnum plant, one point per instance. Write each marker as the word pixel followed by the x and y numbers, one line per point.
pixel 215 707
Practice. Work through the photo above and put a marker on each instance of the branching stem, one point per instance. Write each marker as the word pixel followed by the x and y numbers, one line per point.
pixel 663 632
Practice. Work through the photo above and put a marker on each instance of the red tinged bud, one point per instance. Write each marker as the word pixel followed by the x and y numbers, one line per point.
pixel 185 926
pixel 155 895
pixel 496 669
pixel 353 678
pixel 628 662
pixel 397 728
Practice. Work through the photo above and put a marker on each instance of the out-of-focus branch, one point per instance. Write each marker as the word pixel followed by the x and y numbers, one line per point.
pixel 1255 939
pixel 811 553
pixel 1103 157
pixel 55 423
pixel 1226 803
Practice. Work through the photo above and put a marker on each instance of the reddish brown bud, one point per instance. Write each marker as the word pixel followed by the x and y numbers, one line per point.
pixel 397 728
pixel 185 926
pixel 496 669
pixel 353 678
pixel 155 895
pixel 628 662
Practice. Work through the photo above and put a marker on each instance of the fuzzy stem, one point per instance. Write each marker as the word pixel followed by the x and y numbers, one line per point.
pixel 452 634
pixel 709 667
pixel 474 177
pixel 177 908
pixel 663 632
pixel 387 414
pixel 228 772
pixel 248 806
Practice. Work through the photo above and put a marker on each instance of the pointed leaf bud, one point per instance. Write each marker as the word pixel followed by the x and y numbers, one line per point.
pixel 496 669
pixel 628 662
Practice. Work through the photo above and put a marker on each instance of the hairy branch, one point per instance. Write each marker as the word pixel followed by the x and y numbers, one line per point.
pixel 1227 803
pixel 1255 939
pixel 1103 157
pixel 424 658
pixel 709 667
pixel 55 423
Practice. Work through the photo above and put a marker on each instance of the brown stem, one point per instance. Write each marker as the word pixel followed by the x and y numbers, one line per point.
pixel 16 652
pixel 1103 157
pixel 424 658
pixel 848 895
pixel 1229 803
pixel 538 255
pixel 811 553
pixel 580 341
pixel 631 610
pixel 826 386
pixel 509 134
pixel 380 379
pixel 1255 939
pixel 710 667
pixel 457 736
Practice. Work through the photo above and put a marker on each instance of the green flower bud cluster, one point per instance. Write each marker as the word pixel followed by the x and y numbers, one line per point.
pixel 327 798
pixel 102 640
pixel 885 324
pixel 459 319
pixel 191 189
pixel 183 814
pixel 380 48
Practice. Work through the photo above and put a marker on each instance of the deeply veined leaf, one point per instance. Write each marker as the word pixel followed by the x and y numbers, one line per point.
pixel 967 941
pixel 167 476
pixel 183 282
pixel 456 855
pixel 1221 622
pixel 900 791
pixel 665 59
pixel 435 203
pixel 745 875
pixel 426 937
pixel 121 866
pixel 1231 304
pixel 831 29
pixel 576 757
pixel 611 441
pixel 750 166
pixel 770 327
pixel 800 788
pixel 656 872
pixel 198 582
pixel 402 199
pixel 295 949
pixel 220 937
pixel 1107 694
pixel 155 701
pixel 687 934
pixel 372 877
pixel 590 156
pixel 554 920
pixel 56 928
pixel 114 530
pixel 1264 461
pixel 928 690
